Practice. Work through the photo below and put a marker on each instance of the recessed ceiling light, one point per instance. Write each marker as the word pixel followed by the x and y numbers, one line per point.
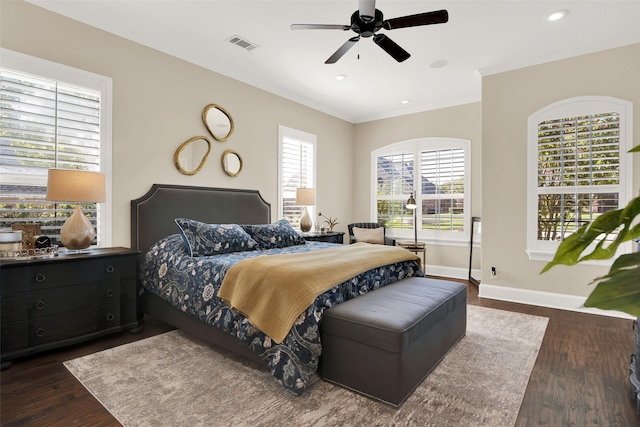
pixel 557 15
pixel 405 101
pixel 341 76
pixel 439 64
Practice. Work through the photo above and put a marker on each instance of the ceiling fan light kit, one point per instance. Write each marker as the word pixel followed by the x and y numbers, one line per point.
pixel 367 21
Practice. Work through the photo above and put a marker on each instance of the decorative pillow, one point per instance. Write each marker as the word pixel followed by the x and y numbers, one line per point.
pixel 212 239
pixel 277 235
pixel 369 235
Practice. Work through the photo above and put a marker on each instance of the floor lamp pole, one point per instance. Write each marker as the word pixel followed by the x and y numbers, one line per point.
pixel 415 226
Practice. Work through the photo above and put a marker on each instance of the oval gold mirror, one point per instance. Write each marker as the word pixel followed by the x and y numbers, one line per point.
pixel 218 121
pixel 191 152
pixel 231 163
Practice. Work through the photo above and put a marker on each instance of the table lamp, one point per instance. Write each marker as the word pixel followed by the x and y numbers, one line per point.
pixel 76 186
pixel 411 204
pixel 305 197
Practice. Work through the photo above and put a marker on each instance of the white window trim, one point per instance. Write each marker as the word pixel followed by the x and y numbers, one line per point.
pixel 443 238
pixel 578 106
pixel 286 132
pixel 41 67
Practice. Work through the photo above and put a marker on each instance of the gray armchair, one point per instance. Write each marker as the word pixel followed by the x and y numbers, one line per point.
pixel 387 240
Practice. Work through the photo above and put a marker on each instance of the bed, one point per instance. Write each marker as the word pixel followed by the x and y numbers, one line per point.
pixel 165 293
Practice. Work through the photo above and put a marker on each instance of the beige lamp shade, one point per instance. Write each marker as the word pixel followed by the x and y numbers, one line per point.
pixel 76 186
pixel 305 196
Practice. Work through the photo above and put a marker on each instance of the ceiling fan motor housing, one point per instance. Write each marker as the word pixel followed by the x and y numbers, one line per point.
pixel 366 28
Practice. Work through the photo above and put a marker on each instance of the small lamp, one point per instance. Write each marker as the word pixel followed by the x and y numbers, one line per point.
pixel 411 204
pixel 305 197
pixel 76 186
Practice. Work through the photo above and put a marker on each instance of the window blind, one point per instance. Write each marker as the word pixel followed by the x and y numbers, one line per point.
pixel 297 170
pixel 442 173
pixel 394 184
pixel 578 172
pixel 44 124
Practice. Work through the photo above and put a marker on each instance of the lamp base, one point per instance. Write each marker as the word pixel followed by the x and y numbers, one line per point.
pixel 77 232
pixel 305 221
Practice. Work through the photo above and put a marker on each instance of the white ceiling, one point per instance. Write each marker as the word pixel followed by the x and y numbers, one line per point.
pixel 481 37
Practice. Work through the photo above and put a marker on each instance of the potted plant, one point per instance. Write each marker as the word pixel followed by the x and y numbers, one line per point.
pixel 331 222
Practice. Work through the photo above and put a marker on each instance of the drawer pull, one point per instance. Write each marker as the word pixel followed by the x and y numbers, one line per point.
pixel 110 268
pixel 40 277
pixel 110 317
pixel 40 333
pixel 40 305
pixel 109 293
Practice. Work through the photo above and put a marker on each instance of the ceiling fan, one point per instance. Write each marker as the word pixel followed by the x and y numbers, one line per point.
pixel 367 21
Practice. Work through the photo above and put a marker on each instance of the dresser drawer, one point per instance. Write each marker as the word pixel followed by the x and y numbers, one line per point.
pixel 47 302
pixel 13 337
pixel 71 325
pixel 51 275
pixel 13 308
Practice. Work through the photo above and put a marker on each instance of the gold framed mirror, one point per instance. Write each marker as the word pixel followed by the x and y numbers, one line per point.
pixel 190 153
pixel 218 122
pixel 231 163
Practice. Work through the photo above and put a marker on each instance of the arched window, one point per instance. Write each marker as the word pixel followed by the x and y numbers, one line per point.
pixel 578 167
pixel 436 171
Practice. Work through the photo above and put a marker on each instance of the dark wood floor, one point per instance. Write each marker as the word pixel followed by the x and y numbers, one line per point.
pixel 581 377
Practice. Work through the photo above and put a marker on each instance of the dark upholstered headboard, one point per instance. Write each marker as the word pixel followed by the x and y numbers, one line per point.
pixel 152 215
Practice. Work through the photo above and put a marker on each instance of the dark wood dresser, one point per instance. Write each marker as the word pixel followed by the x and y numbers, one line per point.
pixel 52 302
pixel 330 237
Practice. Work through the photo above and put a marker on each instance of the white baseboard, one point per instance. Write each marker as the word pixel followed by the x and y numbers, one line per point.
pixel 544 299
pixel 452 272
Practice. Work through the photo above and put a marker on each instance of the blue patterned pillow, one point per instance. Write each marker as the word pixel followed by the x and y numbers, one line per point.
pixel 212 239
pixel 277 235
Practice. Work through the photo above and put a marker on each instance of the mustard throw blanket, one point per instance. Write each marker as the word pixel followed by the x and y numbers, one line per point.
pixel 272 291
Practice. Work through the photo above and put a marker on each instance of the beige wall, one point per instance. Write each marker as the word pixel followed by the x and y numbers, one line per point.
pixel 463 121
pixel 157 105
pixel 154 112
pixel 507 100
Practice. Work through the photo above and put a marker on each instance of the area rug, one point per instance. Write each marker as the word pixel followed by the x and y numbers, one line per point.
pixel 173 380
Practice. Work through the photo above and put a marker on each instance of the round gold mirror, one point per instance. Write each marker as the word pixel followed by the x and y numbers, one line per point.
pixel 231 163
pixel 192 152
pixel 218 121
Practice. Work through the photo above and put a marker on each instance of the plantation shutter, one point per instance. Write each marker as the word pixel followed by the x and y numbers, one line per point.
pixel 297 170
pixel 578 172
pixel 442 174
pixel 44 124
pixel 394 184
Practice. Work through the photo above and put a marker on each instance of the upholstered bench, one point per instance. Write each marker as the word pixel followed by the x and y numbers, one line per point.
pixel 384 343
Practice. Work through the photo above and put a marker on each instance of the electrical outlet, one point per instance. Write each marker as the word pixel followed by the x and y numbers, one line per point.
pixel 494 273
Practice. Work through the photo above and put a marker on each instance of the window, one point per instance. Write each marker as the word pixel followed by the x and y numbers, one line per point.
pixel 51 116
pixel 297 168
pixel 578 168
pixel 437 171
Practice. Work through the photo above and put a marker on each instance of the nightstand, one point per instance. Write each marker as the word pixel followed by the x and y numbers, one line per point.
pixel 416 248
pixel 52 302
pixel 333 237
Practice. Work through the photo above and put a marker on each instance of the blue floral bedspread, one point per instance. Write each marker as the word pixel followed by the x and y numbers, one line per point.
pixel 192 284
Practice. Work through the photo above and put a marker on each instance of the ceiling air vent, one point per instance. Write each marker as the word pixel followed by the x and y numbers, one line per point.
pixel 243 43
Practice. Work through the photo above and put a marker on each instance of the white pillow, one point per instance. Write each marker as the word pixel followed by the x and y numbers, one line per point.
pixel 369 235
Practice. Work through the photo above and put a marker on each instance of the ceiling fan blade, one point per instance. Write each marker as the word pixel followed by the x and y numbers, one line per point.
pixel 320 27
pixel 428 18
pixel 343 49
pixel 367 9
pixel 391 47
